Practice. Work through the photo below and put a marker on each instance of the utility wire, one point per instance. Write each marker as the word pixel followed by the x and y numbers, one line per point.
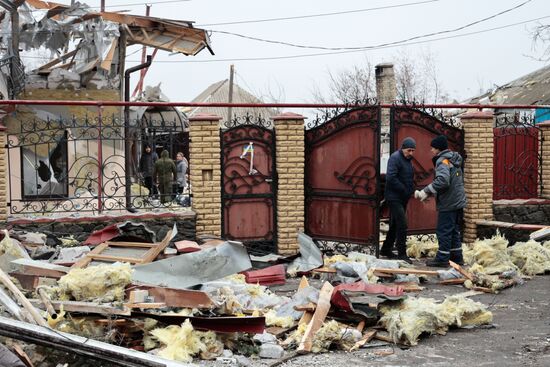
pixel 452 30
pixel 336 52
pixel 319 15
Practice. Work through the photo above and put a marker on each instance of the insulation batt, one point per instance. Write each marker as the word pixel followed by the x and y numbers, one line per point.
pixel 421 248
pixel 407 320
pixel 489 256
pixel 331 333
pixel 530 257
pixel 182 343
pixel 102 283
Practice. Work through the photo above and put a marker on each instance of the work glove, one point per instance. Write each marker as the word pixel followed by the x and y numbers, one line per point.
pixel 420 195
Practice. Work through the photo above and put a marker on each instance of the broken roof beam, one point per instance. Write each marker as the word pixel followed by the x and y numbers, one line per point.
pixel 57 61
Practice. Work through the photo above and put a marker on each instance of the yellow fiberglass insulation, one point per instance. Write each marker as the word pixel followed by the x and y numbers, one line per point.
pixel 271 319
pixel 7 247
pixel 530 257
pixel 182 343
pixel 489 256
pixel 410 318
pixel 421 248
pixel 546 245
pixel 102 283
pixel 336 258
pixel 330 333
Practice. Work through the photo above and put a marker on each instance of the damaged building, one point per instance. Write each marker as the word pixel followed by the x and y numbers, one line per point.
pixel 81 152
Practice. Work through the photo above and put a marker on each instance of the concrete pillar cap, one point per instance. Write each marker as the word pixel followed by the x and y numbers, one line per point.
pixel 205 117
pixel 288 116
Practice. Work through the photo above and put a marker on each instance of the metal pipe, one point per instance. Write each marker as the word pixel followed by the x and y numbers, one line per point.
pixel 127 146
pixel 267 105
pixel 100 160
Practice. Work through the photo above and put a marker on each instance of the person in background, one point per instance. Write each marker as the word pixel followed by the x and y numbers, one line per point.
pixel 181 169
pixel 164 173
pixel 448 189
pixel 399 188
pixel 146 166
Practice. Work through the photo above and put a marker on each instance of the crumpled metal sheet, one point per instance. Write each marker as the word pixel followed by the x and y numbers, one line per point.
pixel 311 257
pixel 194 268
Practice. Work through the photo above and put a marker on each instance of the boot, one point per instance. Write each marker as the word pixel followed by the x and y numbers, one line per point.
pixel 436 263
pixel 386 252
pixel 405 258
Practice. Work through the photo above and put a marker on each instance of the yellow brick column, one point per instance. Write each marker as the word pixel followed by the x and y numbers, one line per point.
pixel 290 165
pixel 3 175
pixel 478 170
pixel 545 131
pixel 205 172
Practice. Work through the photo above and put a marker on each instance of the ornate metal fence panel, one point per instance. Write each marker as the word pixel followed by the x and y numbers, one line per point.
pixel 66 165
pixel 342 180
pixel 423 126
pixel 249 186
pixel 517 167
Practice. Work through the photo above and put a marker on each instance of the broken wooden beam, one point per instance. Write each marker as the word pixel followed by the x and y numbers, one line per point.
pixel 87 307
pixel 369 335
pixel 321 312
pixel 80 345
pixel 453 281
pixel 407 271
pixel 466 274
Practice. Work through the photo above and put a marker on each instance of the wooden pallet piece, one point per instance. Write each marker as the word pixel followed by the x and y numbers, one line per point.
pixel 97 254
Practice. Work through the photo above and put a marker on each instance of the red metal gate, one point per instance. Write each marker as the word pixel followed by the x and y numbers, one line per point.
pixel 248 187
pixel 422 217
pixel 342 177
pixel 516 160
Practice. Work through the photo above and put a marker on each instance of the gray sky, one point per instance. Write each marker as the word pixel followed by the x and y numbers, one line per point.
pixel 464 64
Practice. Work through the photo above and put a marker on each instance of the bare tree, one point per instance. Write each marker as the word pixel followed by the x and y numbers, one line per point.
pixel 541 36
pixel 416 79
pixel 348 85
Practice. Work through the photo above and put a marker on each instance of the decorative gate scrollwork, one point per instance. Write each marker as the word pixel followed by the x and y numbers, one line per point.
pixel 249 185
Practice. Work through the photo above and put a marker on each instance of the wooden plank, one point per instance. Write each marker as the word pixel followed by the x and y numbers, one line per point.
pixel 87 307
pixel 131 244
pixel 303 282
pixel 79 345
pixel 152 254
pixel 57 61
pixel 408 271
pixel 323 307
pixel 132 260
pixel 453 281
pixel 35 316
pixel 40 268
pixel 146 305
pixel 310 306
pixel 324 269
pixel 17 349
pixel 85 261
pixel 360 326
pixel 461 270
pixel 369 335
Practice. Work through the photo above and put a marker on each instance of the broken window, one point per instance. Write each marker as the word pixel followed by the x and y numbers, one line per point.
pixel 44 169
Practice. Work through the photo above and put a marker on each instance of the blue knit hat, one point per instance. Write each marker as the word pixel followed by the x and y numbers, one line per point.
pixel 440 142
pixel 408 143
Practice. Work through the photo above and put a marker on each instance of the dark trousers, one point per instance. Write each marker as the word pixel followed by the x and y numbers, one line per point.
pixel 398 228
pixel 448 236
pixel 148 183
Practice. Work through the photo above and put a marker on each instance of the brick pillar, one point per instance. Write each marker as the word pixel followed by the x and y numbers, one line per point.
pixel 289 128
pixel 545 162
pixel 386 92
pixel 478 170
pixel 3 174
pixel 205 172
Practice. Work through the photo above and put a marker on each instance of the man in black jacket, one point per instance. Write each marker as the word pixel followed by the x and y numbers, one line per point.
pixel 146 165
pixel 399 188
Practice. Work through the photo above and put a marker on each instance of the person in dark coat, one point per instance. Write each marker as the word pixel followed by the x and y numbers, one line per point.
pixel 399 188
pixel 165 175
pixel 450 198
pixel 146 166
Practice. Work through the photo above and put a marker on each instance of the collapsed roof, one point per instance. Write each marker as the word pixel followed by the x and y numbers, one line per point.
pixel 82 40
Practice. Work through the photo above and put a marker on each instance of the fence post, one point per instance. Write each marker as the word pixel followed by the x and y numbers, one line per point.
pixel 545 159
pixel 205 172
pixel 3 174
pixel 478 170
pixel 290 163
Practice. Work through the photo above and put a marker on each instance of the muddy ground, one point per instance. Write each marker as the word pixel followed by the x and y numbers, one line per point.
pixel 520 335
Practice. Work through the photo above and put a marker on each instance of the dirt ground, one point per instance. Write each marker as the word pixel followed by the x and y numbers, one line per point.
pixel 519 336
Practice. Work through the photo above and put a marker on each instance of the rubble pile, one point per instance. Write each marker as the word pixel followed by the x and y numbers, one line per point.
pixel 185 301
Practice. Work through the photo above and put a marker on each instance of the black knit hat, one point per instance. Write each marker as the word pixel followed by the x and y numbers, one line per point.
pixel 440 142
pixel 408 143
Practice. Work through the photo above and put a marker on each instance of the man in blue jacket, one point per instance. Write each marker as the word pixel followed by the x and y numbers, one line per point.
pixel 448 188
pixel 399 188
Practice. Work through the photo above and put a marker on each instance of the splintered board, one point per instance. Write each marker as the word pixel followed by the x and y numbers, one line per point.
pixel 126 252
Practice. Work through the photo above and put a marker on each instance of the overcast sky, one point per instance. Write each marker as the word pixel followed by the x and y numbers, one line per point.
pixel 464 64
